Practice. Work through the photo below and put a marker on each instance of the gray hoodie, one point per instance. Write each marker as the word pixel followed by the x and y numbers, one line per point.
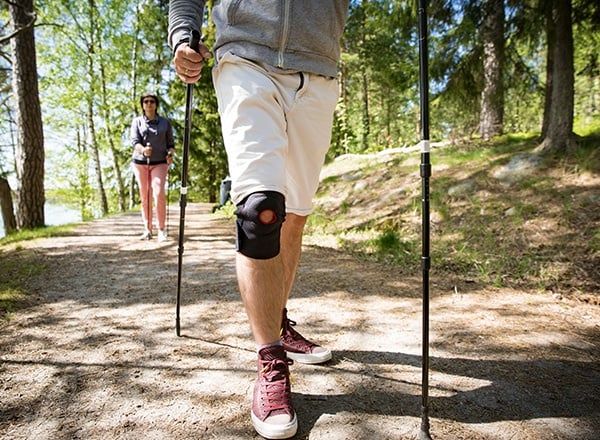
pixel 299 35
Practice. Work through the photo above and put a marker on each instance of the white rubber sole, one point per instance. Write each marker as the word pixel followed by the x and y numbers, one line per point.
pixel 270 431
pixel 313 358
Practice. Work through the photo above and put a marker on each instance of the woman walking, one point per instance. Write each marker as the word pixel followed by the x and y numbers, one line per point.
pixel 153 149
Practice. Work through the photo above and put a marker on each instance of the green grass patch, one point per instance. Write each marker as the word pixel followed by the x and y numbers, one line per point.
pixel 43 232
pixel 16 267
pixel 387 246
pixel 227 210
pixel 10 301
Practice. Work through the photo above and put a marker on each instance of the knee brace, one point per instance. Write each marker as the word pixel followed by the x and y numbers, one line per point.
pixel 255 238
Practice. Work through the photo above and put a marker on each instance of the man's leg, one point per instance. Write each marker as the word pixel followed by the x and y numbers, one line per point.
pixel 297 346
pixel 265 285
pixel 291 249
pixel 262 289
pixel 261 283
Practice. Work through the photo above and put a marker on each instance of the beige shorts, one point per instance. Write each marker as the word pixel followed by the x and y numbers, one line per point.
pixel 276 127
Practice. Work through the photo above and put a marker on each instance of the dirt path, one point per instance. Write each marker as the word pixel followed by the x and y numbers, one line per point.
pixel 96 356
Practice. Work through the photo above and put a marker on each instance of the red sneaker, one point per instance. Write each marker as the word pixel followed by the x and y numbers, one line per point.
pixel 273 416
pixel 298 347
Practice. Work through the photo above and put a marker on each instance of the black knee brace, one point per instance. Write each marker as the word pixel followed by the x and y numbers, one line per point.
pixel 256 239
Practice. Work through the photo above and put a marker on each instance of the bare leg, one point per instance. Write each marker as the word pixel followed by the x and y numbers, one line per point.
pixel 291 249
pixel 265 284
pixel 261 286
pixel 158 189
pixel 141 175
pixel 297 346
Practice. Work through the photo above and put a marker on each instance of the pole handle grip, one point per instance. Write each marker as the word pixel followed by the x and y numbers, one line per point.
pixel 195 40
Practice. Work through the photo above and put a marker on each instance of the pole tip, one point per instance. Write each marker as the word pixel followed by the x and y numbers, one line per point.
pixel 424 435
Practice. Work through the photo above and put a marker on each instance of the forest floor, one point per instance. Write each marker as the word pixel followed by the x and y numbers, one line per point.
pixel 94 354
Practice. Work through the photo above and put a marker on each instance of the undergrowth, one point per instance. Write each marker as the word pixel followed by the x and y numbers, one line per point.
pixel 539 232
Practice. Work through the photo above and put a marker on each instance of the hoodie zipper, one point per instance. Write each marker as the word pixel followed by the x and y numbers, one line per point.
pixel 284 32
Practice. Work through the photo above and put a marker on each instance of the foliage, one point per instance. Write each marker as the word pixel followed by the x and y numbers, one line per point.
pixel 96 57
pixel 208 163
pixel 115 50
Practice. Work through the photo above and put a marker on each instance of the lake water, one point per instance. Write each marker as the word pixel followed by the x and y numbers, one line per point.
pixel 53 215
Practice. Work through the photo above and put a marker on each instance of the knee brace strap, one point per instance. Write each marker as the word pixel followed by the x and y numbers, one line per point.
pixel 256 239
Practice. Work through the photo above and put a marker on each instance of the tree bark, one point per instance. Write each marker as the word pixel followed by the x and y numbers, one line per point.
pixel 492 96
pixel 91 111
pixel 6 203
pixel 550 42
pixel 133 97
pixel 30 135
pixel 364 82
pixel 560 137
pixel 108 127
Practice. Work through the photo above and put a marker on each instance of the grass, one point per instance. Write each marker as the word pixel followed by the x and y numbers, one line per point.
pixel 42 232
pixel 17 265
pixel 14 273
pixel 540 232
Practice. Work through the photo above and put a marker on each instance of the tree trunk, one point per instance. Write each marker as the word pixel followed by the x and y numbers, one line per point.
pixel 560 136
pixel 96 160
pixel 364 85
pixel 91 111
pixel 30 134
pixel 133 97
pixel 342 110
pixel 366 126
pixel 550 43
pixel 492 96
pixel 108 127
pixel 6 204
pixel 134 59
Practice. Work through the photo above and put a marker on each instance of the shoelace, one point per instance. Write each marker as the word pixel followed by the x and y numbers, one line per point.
pixel 276 389
pixel 295 339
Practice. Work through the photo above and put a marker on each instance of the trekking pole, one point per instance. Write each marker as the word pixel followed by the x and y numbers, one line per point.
pixel 148 201
pixel 168 196
pixel 425 171
pixel 195 40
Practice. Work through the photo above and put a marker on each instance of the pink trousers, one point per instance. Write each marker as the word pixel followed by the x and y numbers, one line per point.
pixel 151 180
